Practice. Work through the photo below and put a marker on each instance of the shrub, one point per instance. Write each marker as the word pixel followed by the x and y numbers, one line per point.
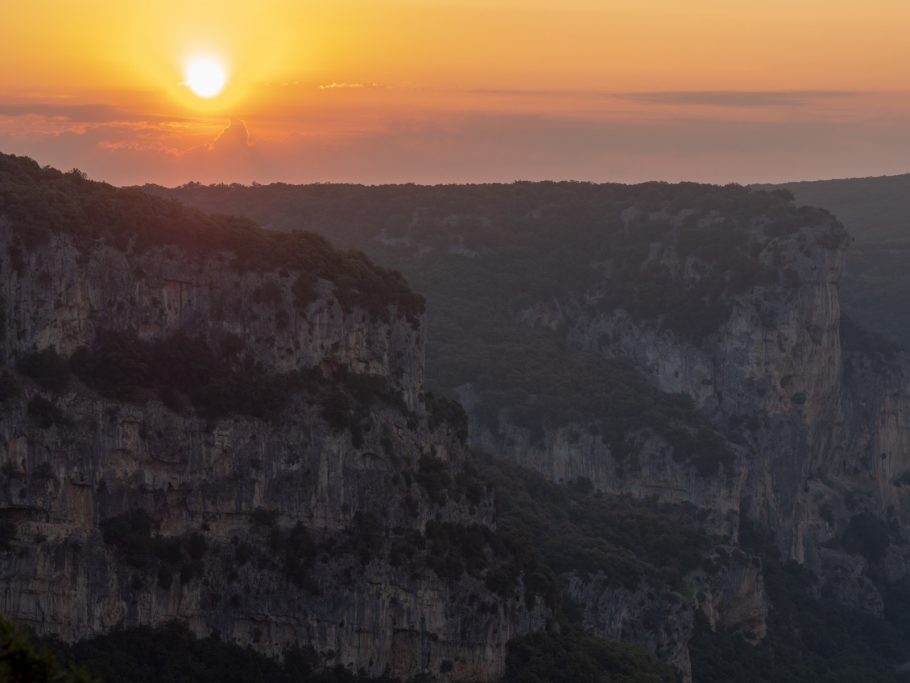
pixel 299 554
pixel 9 387
pixel 123 367
pixel 574 656
pixel 868 536
pixel 433 475
pixel 47 368
pixel 7 534
pixel 263 517
pixel 130 534
pixel 445 411
pixel 46 413
pixel 21 661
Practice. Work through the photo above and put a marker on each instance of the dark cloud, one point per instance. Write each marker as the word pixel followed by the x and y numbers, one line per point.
pixel 740 98
pixel 80 113
pixel 716 98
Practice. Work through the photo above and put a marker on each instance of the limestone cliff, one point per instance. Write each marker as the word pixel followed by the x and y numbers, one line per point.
pixel 297 521
pixel 818 432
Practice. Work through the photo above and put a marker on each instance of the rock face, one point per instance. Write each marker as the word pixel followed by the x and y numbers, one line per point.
pixel 271 531
pixel 727 296
pixel 818 432
pixel 808 424
pixel 227 426
pixel 733 599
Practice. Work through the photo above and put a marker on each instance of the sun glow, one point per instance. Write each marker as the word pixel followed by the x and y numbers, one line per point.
pixel 205 76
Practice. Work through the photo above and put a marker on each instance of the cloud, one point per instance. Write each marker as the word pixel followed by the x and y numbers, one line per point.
pixel 739 98
pixel 347 86
pixel 488 146
pixel 713 98
pixel 234 138
pixel 81 113
pixel 70 112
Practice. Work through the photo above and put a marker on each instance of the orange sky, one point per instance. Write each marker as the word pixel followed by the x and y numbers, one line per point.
pixel 466 90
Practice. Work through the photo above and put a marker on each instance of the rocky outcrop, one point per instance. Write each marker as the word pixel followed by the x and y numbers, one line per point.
pixel 61 295
pixel 275 531
pixel 725 295
pixel 818 433
pixel 732 599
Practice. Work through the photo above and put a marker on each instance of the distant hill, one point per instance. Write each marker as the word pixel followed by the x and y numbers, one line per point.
pixel 876 211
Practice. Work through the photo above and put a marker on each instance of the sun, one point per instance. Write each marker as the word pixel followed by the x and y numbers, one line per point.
pixel 205 76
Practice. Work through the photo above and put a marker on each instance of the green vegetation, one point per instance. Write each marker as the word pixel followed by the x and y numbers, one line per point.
pixel 9 387
pixel 263 517
pixel 297 552
pixel 47 368
pixel 8 533
pixel 812 637
pixel 131 535
pixel 810 640
pixel 184 372
pixel 574 656
pixel 574 529
pixel 868 536
pixel 433 475
pixel 446 411
pixel 46 413
pixel 172 653
pixel 348 398
pixel 43 201
pixel 544 530
pixel 22 662
pixel 122 367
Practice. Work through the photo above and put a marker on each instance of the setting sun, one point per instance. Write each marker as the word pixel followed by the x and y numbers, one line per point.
pixel 205 76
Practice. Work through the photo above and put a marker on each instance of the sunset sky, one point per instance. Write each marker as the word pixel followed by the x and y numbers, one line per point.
pixel 460 90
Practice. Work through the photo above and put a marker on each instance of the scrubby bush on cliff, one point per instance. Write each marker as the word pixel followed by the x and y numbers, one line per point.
pixel 22 662
pixel 47 368
pixel 9 387
pixel 574 656
pixel 295 552
pixel 574 530
pixel 172 653
pixel 7 534
pixel 123 367
pixel 446 411
pixel 434 477
pixel 542 384
pixel 46 413
pixel 867 535
pixel 131 535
